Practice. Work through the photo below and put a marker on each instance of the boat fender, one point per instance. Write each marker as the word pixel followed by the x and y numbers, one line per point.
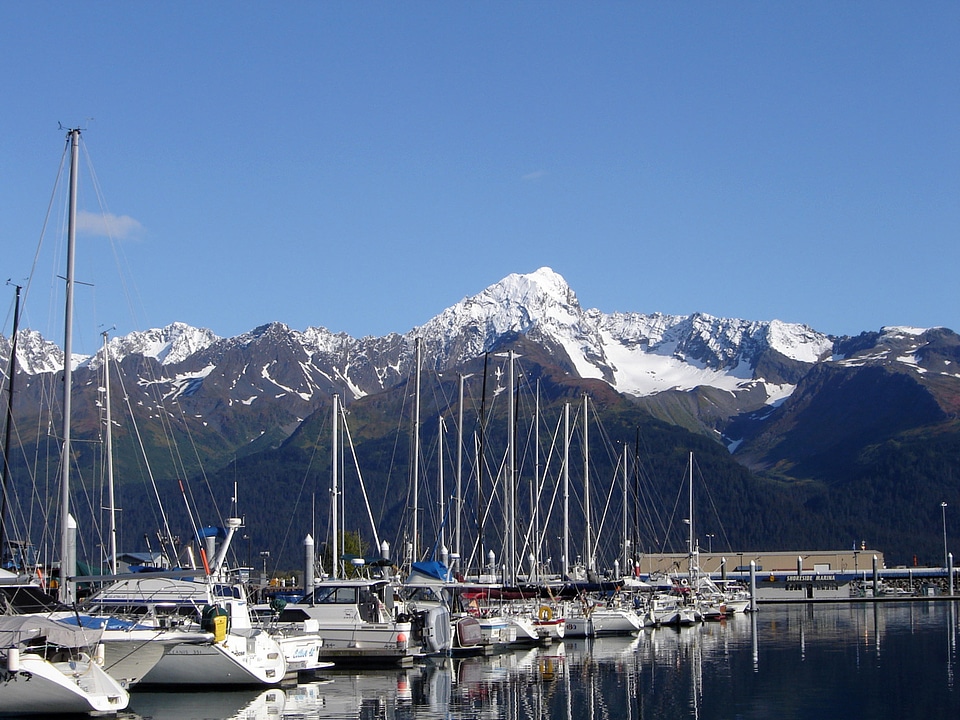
pixel 13 660
pixel 215 620
pixel 545 613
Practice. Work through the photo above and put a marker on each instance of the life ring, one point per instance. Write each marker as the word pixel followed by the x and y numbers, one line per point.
pixel 545 613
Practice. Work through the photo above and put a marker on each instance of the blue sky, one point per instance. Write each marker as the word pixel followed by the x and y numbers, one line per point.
pixel 364 165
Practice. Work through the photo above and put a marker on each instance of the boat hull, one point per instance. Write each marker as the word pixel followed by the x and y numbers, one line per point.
pixel 40 687
pixel 252 658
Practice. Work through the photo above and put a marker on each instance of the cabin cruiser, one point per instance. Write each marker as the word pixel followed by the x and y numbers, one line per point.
pixel 361 620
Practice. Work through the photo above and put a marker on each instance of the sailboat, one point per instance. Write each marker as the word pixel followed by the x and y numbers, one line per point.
pixel 143 647
pixel 191 601
pixel 357 617
pixel 51 667
pixel 127 650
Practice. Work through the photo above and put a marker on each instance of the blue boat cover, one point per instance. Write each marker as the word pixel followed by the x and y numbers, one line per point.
pixel 433 569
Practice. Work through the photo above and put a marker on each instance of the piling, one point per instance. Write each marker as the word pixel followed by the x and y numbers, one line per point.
pixel 308 564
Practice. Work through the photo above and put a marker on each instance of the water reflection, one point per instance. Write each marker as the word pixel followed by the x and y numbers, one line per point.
pixel 234 704
pixel 881 661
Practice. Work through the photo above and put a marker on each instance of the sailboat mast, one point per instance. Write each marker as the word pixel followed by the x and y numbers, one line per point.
pixel 626 537
pixel 67 541
pixel 335 490
pixel 481 512
pixel 510 492
pixel 415 545
pixel 535 487
pixel 566 490
pixel 442 428
pixel 586 482
pixel 108 451
pixel 9 423
pixel 457 548
pixel 690 515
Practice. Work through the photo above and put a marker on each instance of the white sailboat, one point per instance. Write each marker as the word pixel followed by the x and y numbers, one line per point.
pixel 50 668
pixel 135 649
pixel 197 600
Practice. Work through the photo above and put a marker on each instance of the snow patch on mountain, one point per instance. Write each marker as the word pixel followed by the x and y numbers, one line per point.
pixel 900 330
pixel 639 372
pixel 35 355
pixel 776 394
pixel 169 345
pixel 798 342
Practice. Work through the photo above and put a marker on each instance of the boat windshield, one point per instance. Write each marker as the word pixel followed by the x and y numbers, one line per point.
pixel 336 596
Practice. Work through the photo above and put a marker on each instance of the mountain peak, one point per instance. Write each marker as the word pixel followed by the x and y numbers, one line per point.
pixel 169 345
pixel 520 303
pixel 541 287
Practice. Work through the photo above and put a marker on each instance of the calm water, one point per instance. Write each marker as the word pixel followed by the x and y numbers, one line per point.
pixel 797 661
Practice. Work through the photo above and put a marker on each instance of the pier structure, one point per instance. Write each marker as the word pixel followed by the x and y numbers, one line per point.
pixel 811 576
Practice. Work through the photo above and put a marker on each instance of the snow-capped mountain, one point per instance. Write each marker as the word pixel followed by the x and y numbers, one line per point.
pixel 277 376
pixel 635 353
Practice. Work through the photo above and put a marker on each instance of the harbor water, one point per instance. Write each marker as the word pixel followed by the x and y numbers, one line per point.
pixel 832 660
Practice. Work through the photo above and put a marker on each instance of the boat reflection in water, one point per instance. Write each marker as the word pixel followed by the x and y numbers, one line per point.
pixel 207 705
pixel 886 661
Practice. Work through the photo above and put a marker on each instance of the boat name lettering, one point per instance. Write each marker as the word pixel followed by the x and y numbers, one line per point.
pixel 810 578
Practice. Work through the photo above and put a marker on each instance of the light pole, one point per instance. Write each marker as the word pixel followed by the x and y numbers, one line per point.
pixel 943 512
pixel 710 543
pixel 265 554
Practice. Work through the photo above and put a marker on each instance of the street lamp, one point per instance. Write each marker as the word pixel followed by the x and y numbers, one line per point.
pixel 265 554
pixel 710 543
pixel 943 512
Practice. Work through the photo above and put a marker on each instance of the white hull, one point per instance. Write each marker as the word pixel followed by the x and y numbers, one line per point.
pixel 40 687
pixel 302 651
pixel 130 653
pixel 526 630
pixel 348 638
pixel 614 621
pixel 497 632
pixel 248 657
pixel 128 662
pixel 602 621
pixel 354 622
pixel 553 629
pixel 576 626
pixel 376 641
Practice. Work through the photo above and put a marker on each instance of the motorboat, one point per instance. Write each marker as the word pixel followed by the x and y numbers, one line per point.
pixel 360 620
